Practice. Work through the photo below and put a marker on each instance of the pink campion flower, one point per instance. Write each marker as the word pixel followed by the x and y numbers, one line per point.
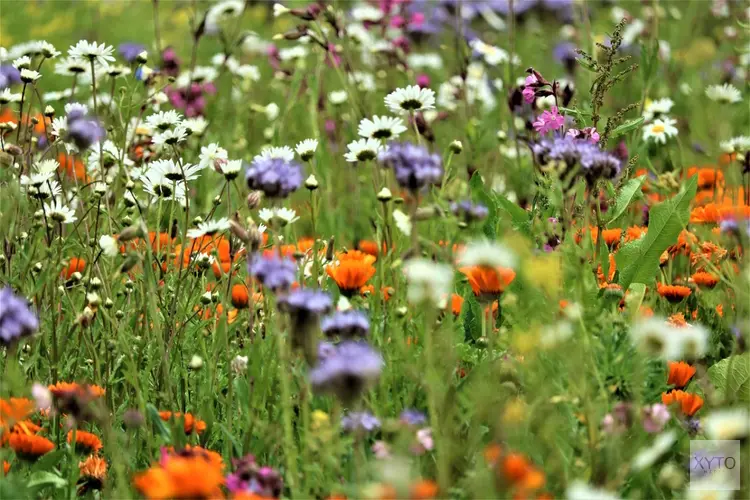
pixel 531 80
pixel 423 80
pixel 333 58
pixel 589 133
pixel 416 19
pixel 549 121
pixel 528 94
pixel 398 21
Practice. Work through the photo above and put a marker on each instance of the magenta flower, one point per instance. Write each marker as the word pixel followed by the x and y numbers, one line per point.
pixel 528 94
pixel 655 417
pixel 589 133
pixel 549 121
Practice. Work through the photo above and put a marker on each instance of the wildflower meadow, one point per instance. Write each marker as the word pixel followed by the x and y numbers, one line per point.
pixel 377 249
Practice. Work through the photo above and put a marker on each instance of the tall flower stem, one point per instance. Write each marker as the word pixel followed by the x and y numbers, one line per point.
pixel 433 385
pixel 93 84
pixel 20 113
pixel 290 450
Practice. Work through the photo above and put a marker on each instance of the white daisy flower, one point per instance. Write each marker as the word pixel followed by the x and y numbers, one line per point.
pixel 736 144
pixel 492 55
pixel 200 74
pixel 338 97
pixel 173 171
pixel 660 130
pixel 657 108
pixel 36 179
pixel 727 424
pixel 306 149
pixel 57 95
pixel 254 44
pixel 403 222
pixel 196 125
pixel 223 11
pixel 410 99
pixel 6 96
pixel 230 169
pixel 209 228
pixel 381 127
pixel 487 253
pixel 49 189
pixel 46 49
pixel 170 136
pixel 428 281
pixel 112 155
pixel 692 342
pixel 284 216
pixel 71 66
pixel 164 119
pixel 59 126
pixel 47 166
pixel 717 485
pixel 109 245
pixel 29 76
pixel 159 186
pixel 363 150
pixel 101 54
pixel 727 93
pixel 221 59
pixel 293 53
pixel 649 456
pixel 59 213
pixel 117 70
pixel 248 72
pixel 284 152
pixel 655 337
pixel 22 63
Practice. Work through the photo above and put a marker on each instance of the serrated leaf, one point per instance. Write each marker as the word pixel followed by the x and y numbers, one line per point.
pixel 638 261
pixel 472 317
pixel 628 192
pixel 735 384
pixel 46 478
pixel 626 127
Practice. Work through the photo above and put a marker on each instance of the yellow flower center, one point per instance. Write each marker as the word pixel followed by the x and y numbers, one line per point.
pixel 657 129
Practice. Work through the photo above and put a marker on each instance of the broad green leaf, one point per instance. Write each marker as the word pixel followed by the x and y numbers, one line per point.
pixel 628 192
pixel 472 317
pixel 46 478
pixel 479 193
pixel 638 261
pixel 157 422
pixel 634 297
pixel 626 127
pixel 735 385
pixel 519 217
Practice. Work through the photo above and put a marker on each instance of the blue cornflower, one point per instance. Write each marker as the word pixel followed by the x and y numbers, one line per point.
pixel 130 50
pixel 84 130
pixel 274 272
pixel 414 166
pixel 412 417
pixel 346 325
pixel 347 371
pixel 276 177
pixel 469 211
pixel 16 319
pixel 305 306
pixel 360 421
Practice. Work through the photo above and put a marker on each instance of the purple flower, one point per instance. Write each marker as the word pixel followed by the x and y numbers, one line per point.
pixel 170 62
pixel 528 94
pixel 598 164
pixel 469 211
pixel 413 417
pixel 305 306
pixel 84 130
pixel 549 121
pixel 8 76
pixel 130 50
pixel 348 371
pixel 276 177
pixel 588 133
pixel 360 421
pixel 192 98
pixel 274 272
pixel 249 477
pixel 655 417
pixel 415 167
pixel 349 324
pixel 16 319
pixel 565 54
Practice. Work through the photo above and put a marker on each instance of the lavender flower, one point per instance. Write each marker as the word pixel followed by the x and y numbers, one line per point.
pixel 130 50
pixel 84 130
pixel 570 151
pixel 598 165
pixel 349 324
pixel 305 306
pixel 412 417
pixel 274 272
pixel 469 211
pixel 276 177
pixel 16 319
pixel 8 76
pixel 249 477
pixel 415 167
pixel 360 421
pixel 348 371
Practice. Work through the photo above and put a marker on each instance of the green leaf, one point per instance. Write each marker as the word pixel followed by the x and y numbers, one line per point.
pixel 472 317
pixel 586 64
pixel 628 192
pixel 157 422
pixel 626 127
pixel 480 194
pixel 638 261
pixel 519 217
pixel 735 384
pixel 46 478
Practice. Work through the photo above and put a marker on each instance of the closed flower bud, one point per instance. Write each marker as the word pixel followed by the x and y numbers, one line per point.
pixel 401 312
pixel 93 299
pixel 130 233
pixel 95 283
pixel 253 200
pixel 38 267
pixel 49 111
pixel 13 150
pixel 133 419
pixel 196 362
pixel 142 57
pixel 119 314
pixel 456 147
pixel 206 298
pixel 311 183
pixel 239 364
pixel 217 201
pixel 130 185
pixel 384 195
pixel 108 304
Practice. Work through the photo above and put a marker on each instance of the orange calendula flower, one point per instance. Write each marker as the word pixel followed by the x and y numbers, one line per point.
pixel 488 282
pixel 712 213
pixel 73 167
pixel 677 320
pixel 611 236
pixel 240 296
pixel 305 245
pixel 492 454
pixel 14 410
pixel 181 477
pixel 62 389
pixel 74 265
pixel 85 441
pixel 356 255
pixel 190 423
pixel 457 303
pixel 29 446
pixel 720 310
pixel 94 467
pixel 685 241
pixel 707 176
pixel 707 252
pixel 423 489
pixel 6 467
pixel 351 275
pixel 673 293
pixel 518 471
pixel 369 247
pixel 704 279
pixel 680 374
pixel 634 233
pixel 689 403
pixel 610 275
pixel 214 459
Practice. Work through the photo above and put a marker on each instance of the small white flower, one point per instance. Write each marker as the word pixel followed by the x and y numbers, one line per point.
pixel 363 150
pixel 292 53
pixel 84 49
pixel 158 186
pixel 196 362
pixel 284 152
pixel 338 97
pixel 727 424
pixel 410 99
pixel 59 213
pixel 655 337
pixel 727 93
pixel 248 72
pixel 736 144
pixel 47 49
pixel 428 280
pixel 209 228
pixel 306 149
pixel 365 81
pixel 22 63
pixel 381 127
pixel 660 130
pixel 108 245
pixel 221 59
pixel 174 171
pixel 221 12
pixel 578 490
pixel 29 76
pixel 431 60
pixel 47 167
pixel 196 125
pixel 239 364
pixel 272 111
pixel 488 254
pixel 36 180
pixel 492 55
pixel 170 136
pixel 71 66
pixel 403 222
pixel 657 108
pixel 231 169
pixel 211 153
pixel 366 13
pixel 6 96
pixel 717 485
pixel 648 457
pixel 59 126
pixel 164 119
pixel 284 216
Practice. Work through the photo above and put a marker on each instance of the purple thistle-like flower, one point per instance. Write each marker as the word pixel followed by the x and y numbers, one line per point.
pixel 346 325
pixel 305 306
pixel 276 177
pixel 413 417
pixel 348 371
pixel 360 421
pixel 415 167
pixel 8 76
pixel 274 272
pixel 84 130
pixel 249 477
pixel 598 164
pixel 16 319
pixel 130 50
pixel 469 211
